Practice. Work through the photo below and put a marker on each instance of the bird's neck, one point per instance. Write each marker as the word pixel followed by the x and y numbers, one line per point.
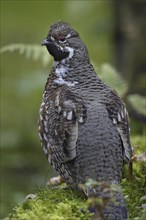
pixel 72 73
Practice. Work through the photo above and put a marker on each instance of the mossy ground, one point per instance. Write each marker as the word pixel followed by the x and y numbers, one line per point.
pixel 64 204
pixel 52 204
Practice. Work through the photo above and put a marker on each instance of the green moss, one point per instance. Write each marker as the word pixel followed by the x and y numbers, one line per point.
pixel 133 191
pixel 134 187
pixel 65 204
pixel 53 204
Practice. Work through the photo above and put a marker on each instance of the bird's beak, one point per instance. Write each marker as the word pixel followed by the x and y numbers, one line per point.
pixel 45 42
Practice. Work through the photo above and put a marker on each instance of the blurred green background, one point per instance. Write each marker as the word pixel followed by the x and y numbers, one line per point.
pixel 114 33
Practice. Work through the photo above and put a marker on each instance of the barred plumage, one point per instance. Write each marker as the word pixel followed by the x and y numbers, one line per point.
pixel 83 123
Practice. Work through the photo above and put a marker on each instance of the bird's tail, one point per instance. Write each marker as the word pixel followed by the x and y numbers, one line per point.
pixel 106 201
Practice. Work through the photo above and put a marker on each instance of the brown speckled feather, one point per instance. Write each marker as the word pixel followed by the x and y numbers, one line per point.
pixel 58 127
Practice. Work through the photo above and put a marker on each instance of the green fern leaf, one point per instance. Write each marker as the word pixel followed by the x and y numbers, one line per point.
pixel 138 102
pixel 30 51
pixel 111 77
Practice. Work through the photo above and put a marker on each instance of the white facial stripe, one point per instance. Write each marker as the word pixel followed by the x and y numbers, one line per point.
pixel 61 48
pixel 52 38
pixel 71 52
pixel 68 36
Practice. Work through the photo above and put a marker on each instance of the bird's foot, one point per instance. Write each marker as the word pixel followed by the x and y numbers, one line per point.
pixel 55 181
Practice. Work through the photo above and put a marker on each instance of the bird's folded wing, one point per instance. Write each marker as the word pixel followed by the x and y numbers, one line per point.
pixel 72 112
pixel 60 120
pixel 119 115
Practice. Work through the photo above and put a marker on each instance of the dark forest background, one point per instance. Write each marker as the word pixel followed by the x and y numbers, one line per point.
pixel 115 34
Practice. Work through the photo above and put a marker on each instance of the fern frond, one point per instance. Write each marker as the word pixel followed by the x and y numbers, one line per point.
pixel 138 102
pixel 35 52
pixel 112 77
pixel 31 51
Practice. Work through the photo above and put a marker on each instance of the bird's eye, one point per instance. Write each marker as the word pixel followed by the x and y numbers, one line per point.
pixel 62 39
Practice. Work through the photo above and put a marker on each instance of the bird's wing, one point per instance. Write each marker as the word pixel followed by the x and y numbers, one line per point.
pixel 72 112
pixel 59 119
pixel 119 115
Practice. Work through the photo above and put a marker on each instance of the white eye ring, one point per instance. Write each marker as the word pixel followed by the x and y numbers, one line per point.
pixel 62 41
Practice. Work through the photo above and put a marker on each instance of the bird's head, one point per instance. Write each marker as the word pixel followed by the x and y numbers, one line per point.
pixel 64 43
